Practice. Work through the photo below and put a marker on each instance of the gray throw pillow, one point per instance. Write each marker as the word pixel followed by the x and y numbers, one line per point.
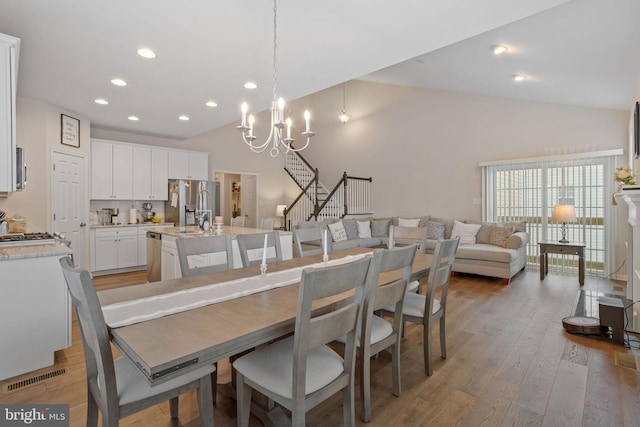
pixel 435 230
pixel 351 228
pixel 380 228
pixel 484 232
pixel 499 235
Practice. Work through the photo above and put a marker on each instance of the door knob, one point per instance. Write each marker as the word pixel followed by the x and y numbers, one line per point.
pixel 82 224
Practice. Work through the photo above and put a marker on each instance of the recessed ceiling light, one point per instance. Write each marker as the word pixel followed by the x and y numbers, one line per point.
pixel 519 77
pixel 133 118
pixel 146 53
pixel 499 49
pixel 183 117
pixel 211 104
pixel 119 82
pixel 250 85
pixel 101 101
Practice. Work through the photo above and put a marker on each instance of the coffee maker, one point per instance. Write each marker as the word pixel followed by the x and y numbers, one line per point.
pixel 114 215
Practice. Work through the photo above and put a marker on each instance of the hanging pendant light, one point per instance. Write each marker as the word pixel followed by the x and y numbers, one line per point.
pixel 279 142
pixel 344 117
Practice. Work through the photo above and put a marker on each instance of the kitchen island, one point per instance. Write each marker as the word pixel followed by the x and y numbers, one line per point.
pixel 170 266
pixel 35 307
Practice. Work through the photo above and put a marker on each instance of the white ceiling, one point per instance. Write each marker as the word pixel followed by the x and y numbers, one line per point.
pixel 71 49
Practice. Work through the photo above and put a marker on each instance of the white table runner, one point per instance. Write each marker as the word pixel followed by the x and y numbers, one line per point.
pixel 148 308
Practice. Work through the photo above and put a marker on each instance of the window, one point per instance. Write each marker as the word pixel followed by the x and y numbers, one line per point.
pixel 527 190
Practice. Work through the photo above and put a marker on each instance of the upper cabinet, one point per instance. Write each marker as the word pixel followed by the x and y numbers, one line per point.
pixel 111 170
pixel 185 164
pixel 150 173
pixel 9 49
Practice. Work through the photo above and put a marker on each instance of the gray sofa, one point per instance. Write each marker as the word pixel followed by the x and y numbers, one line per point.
pixel 483 256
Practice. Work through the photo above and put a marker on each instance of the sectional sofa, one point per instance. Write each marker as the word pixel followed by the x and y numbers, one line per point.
pixel 487 249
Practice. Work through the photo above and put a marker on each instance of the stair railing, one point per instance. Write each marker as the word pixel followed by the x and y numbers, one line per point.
pixel 350 196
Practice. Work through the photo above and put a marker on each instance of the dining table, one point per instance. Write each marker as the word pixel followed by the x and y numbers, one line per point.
pixel 167 346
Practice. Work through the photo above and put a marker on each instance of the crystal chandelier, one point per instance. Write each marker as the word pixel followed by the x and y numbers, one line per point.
pixel 279 144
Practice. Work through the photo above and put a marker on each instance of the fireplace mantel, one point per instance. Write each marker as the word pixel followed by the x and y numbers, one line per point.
pixel 631 196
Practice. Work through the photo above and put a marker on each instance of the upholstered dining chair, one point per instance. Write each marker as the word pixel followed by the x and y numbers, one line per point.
pixel 192 254
pixel 301 371
pixel 314 235
pixel 238 221
pixel 377 334
pixel 267 223
pixel 402 236
pixel 116 387
pixel 426 309
pixel 255 243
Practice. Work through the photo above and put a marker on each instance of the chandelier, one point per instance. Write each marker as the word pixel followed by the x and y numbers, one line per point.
pixel 280 142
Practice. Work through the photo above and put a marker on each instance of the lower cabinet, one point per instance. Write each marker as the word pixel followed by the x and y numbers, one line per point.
pixel 115 248
pixel 170 264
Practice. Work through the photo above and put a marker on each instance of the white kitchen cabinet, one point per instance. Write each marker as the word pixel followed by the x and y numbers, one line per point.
pixel 170 264
pixel 185 164
pixel 150 173
pixel 115 247
pixel 111 170
pixel 9 48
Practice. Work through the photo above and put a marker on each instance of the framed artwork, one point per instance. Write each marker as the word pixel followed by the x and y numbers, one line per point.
pixel 69 131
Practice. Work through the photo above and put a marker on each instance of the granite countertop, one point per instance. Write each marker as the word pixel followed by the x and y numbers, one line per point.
pixel 142 224
pixel 193 231
pixel 34 251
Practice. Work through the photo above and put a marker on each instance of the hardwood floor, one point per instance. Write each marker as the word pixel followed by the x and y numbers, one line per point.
pixel 509 362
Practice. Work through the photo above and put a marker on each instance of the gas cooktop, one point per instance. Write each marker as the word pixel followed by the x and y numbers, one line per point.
pixel 26 239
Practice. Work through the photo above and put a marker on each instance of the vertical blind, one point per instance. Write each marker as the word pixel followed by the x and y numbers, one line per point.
pixel 528 191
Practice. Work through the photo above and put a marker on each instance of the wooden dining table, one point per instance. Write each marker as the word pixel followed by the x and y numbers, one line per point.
pixel 166 347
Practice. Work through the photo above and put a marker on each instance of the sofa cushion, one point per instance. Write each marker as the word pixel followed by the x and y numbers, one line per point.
pixel 338 234
pixel 350 227
pixel 380 228
pixel 368 243
pixel 466 232
pixel 448 226
pixel 364 229
pixel 484 232
pixel 499 234
pixel 435 230
pixel 308 224
pixel 484 252
pixel 517 240
pixel 346 244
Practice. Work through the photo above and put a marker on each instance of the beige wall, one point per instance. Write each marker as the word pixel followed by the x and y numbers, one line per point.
pixel 38 131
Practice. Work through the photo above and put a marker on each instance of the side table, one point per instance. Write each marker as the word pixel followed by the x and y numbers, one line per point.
pixel 553 247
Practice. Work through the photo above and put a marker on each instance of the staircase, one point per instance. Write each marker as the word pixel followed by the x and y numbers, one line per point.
pixel 350 196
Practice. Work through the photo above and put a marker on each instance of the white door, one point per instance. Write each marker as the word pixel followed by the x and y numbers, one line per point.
pixel 248 199
pixel 68 203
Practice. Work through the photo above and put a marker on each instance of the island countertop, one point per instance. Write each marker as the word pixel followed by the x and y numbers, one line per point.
pixel 33 251
pixel 193 231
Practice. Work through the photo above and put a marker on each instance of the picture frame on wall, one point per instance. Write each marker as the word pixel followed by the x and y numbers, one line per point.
pixel 69 131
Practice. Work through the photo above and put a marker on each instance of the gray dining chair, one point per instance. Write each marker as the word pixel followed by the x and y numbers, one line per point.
pixel 115 387
pixel 426 309
pixel 300 371
pixel 309 241
pixel 238 221
pixel 267 223
pixel 402 236
pixel 193 254
pixel 249 244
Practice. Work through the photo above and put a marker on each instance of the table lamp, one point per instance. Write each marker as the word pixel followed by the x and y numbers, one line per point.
pixel 280 213
pixel 564 214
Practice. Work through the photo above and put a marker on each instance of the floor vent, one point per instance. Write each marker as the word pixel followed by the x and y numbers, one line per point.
pixel 33 380
pixel 627 361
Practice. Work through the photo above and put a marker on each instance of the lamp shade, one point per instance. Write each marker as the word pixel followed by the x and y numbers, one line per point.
pixel 564 213
pixel 280 210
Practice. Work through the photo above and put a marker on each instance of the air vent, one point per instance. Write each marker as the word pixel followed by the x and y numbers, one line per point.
pixel 33 380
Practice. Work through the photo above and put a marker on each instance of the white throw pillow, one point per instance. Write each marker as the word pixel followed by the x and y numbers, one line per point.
pixel 338 233
pixel 413 222
pixel 364 229
pixel 466 232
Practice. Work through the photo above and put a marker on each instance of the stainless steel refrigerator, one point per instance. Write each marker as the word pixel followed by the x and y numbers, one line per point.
pixel 189 198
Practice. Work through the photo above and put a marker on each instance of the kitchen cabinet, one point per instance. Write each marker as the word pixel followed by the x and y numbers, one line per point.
pixel 9 48
pixel 150 173
pixel 111 170
pixel 169 259
pixel 115 247
pixel 185 164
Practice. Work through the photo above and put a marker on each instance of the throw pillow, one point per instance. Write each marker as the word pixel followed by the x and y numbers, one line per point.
pixel 413 222
pixel 364 229
pixel 448 226
pixel 500 234
pixel 484 232
pixel 380 228
pixel 435 230
pixel 466 232
pixel 338 234
pixel 351 228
